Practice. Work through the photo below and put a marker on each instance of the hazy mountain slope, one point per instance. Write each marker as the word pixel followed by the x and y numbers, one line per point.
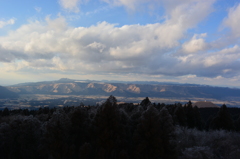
pixel 5 93
pixel 67 86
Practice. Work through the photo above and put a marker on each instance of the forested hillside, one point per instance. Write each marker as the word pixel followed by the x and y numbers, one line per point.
pixel 116 131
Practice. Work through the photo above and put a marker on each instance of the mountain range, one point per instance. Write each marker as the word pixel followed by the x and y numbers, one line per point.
pixel 129 89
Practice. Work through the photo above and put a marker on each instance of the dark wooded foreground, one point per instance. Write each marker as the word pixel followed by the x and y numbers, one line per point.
pixel 148 130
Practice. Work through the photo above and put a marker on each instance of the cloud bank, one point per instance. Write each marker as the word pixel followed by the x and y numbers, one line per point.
pixel 163 49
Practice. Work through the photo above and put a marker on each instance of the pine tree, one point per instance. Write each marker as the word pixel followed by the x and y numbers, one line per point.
pixel 20 138
pixel 179 116
pixel 153 134
pixel 111 99
pixel 145 103
pixel 109 133
pixel 56 140
pixel 223 120
pixel 197 118
pixel 167 133
pixel 147 138
pixel 5 112
pixel 190 115
pixel 85 151
pixel 237 124
pixel 79 130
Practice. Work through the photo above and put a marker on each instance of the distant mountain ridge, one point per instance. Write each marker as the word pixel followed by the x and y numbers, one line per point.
pixel 88 87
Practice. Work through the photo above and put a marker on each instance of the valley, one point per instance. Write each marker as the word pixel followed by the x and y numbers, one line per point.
pixel 69 92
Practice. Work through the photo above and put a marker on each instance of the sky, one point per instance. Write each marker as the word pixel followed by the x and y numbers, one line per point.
pixel 185 41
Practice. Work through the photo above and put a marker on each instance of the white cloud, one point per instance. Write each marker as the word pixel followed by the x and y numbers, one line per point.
pixel 189 12
pixel 177 10
pixel 38 9
pixel 129 4
pixel 233 19
pixel 70 5
pixel 9 22
pixel 211 64
pixel 187 77
pixel 96 46
pixel 197 43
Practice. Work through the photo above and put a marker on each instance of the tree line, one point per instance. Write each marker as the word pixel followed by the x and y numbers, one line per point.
pixel 117 131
